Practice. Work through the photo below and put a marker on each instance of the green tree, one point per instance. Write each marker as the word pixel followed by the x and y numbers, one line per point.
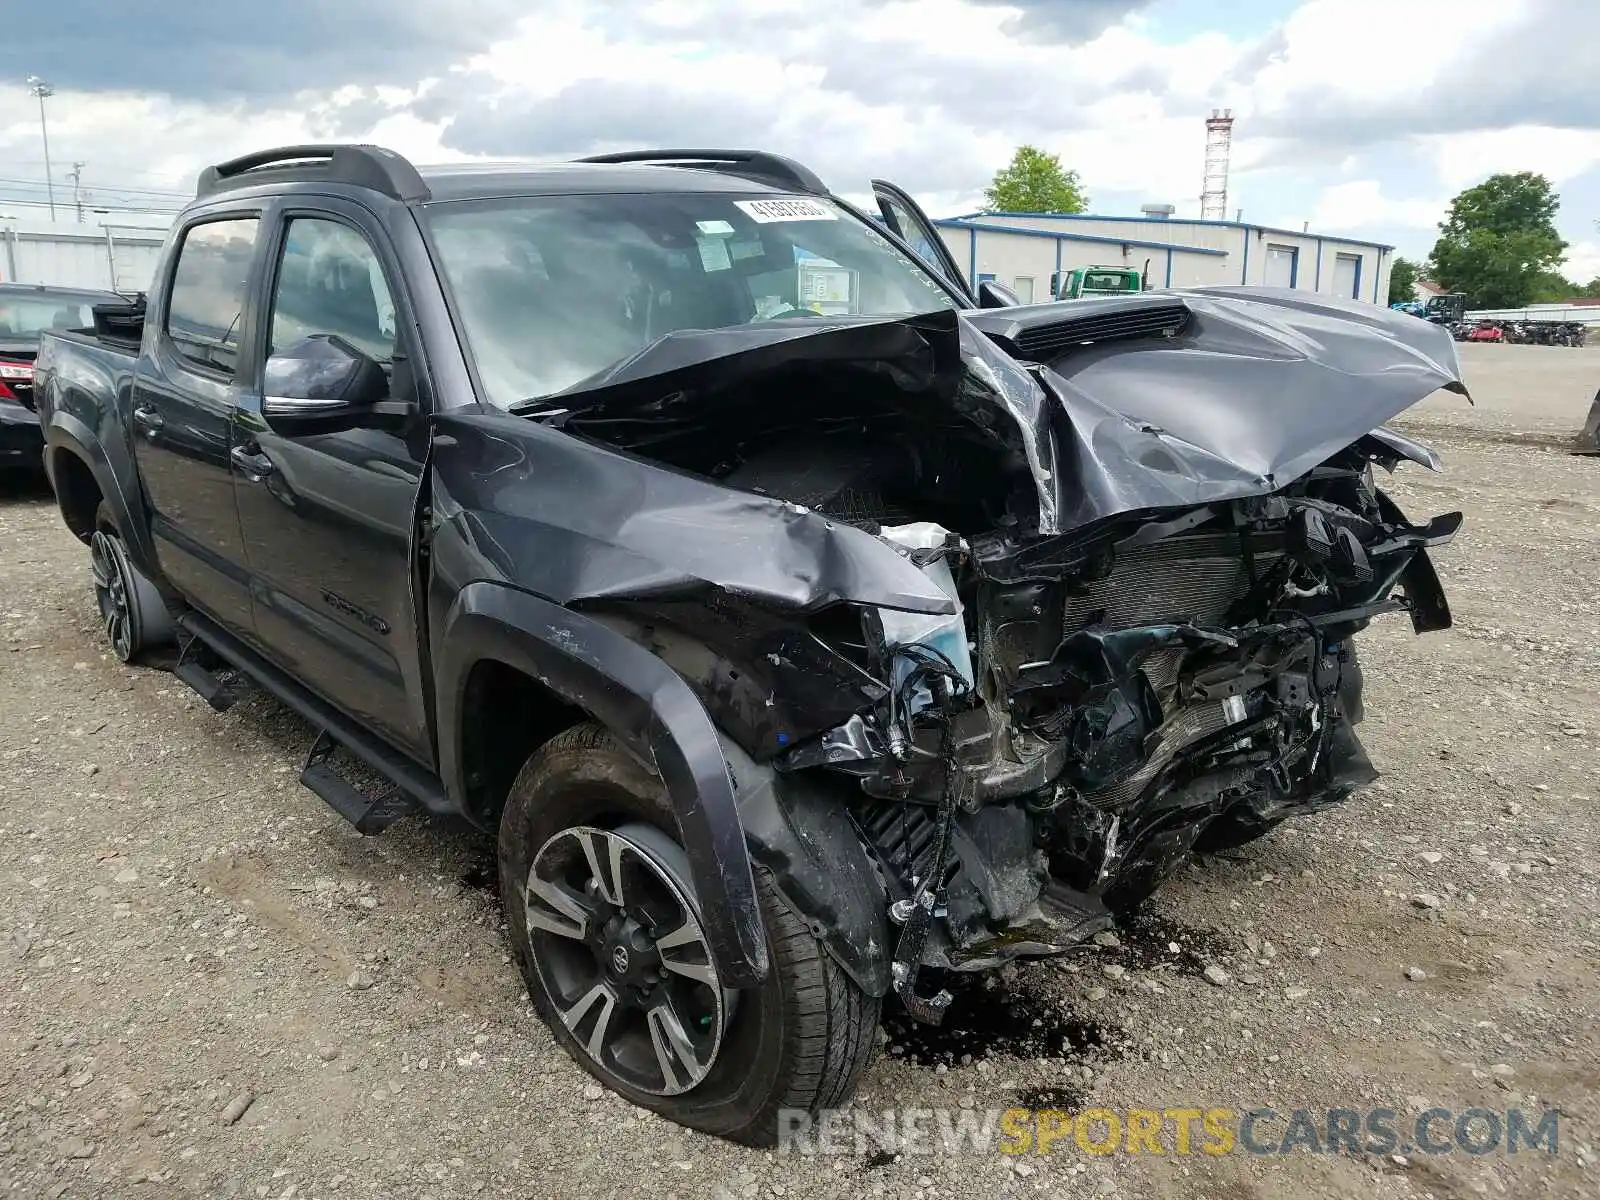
pixel 1035 182
pixel 1551 286
pixel 1499 240
pixel 1403 276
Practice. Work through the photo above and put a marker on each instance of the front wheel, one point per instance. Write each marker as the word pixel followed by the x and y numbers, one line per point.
pixel 132 612
pixel 602 914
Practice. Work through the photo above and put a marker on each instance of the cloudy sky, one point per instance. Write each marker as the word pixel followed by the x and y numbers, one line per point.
pixel 1359 116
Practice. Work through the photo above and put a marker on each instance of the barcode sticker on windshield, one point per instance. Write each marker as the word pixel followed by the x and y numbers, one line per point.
pixel 790 208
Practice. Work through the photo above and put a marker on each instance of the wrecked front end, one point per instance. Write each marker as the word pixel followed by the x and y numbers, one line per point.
pixel 1044 600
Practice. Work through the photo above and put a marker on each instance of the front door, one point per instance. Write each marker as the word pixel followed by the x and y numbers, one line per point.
pixel 905 217
pixel 182 405
pixel 328 510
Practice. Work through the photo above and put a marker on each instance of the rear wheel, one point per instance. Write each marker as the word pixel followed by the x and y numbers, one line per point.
pixel 132 612
pixel 602 913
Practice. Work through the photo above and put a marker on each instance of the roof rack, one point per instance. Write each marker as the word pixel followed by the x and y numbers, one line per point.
pixel 757 165
pixel 359 166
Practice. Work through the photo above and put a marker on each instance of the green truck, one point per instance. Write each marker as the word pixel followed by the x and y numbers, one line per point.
pixel 1096 281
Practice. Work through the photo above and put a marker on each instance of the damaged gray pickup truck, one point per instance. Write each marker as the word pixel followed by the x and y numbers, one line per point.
pixel 802 624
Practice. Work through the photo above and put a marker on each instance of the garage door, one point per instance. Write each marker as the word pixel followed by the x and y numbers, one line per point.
pixel 1347 276
pixel 1281 263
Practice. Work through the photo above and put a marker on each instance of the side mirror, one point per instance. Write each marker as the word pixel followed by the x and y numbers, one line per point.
pixel 321 375
pixel 996 295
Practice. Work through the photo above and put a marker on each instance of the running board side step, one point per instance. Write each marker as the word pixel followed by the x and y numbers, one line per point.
pixel 369 814
pixel 208 680
pixel 415 786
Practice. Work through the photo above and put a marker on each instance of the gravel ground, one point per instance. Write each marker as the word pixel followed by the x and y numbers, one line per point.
pixel 187 931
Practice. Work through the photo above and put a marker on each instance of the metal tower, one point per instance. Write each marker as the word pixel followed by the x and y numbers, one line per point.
pixel 1219 144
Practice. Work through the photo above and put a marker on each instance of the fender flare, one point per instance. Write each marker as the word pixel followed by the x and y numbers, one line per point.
pixel 67 434
pixel 799 828
pixel 649 707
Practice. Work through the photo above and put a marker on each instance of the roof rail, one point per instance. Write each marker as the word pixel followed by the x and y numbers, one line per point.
pixel 360 166
pixel 757 165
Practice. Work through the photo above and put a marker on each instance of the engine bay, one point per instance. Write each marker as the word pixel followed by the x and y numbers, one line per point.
pixel 1149 651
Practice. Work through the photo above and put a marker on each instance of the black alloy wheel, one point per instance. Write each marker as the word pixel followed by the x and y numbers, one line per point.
pixel 109 565
pixel 619 946
pixel 607 930
pixel 132 611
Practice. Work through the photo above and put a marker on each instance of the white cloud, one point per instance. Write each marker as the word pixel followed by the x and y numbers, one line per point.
pixel 1374 50
pixel 934 94
pixel 137 150
pixel 1582 262
pixel 1361 204
pixel 1559 154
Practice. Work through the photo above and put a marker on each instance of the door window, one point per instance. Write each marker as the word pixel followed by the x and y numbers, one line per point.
pixel 902 214
pixel 912 234
pixel 330 281
pixel 206 301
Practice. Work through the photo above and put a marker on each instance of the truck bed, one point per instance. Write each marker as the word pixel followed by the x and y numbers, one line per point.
pixel 82 374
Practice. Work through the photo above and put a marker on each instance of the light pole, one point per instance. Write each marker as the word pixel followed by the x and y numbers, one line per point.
pixel 77 188
pixel 42 89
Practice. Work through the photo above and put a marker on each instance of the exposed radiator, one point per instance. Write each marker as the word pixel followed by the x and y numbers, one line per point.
pixel 1195 578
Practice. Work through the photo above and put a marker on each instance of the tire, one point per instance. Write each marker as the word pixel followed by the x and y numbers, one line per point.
pixel 798 1041
pixel 132 612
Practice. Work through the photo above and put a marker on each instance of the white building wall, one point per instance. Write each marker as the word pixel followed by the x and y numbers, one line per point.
pixel 1188 269
pixel 1182 233
pixel 1316 267
pixel 1246 247
pixel 1007 257
pixel 108 258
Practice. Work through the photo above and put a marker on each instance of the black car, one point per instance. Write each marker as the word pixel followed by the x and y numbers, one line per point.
pixel 798 620
pixel 26 311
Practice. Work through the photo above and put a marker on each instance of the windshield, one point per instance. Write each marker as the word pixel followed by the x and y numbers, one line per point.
pixel 38 313
pixel 1108 281
pixel 550 290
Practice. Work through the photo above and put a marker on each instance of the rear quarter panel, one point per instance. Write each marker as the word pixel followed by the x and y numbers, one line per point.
pixel 83 389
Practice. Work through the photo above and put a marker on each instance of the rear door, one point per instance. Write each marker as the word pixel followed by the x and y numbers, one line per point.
pixel 183 398
pixel 906 219
pixel 328 508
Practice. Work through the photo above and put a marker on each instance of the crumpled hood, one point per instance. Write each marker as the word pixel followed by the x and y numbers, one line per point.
pixel 1258 387
pixel 1254 388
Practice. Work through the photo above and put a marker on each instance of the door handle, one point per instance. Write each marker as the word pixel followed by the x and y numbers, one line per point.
pixel 255 465
pixel 149 420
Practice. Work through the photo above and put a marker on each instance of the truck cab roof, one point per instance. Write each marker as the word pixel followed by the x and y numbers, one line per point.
pixel 375 169
pixel 457 181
